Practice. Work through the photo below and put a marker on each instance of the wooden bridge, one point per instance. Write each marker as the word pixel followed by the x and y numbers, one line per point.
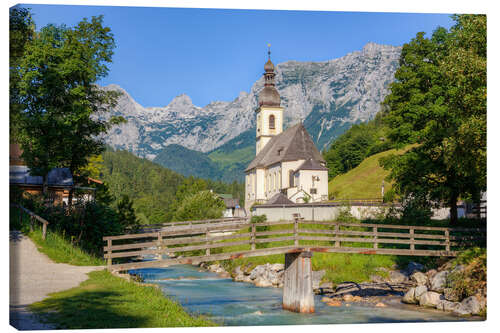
pixel 192 242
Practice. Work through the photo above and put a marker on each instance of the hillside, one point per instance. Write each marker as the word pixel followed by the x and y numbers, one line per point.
pixel 153 188
pixel 364 181
pixel 226 163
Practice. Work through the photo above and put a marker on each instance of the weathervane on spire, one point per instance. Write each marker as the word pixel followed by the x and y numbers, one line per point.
pixel 269 51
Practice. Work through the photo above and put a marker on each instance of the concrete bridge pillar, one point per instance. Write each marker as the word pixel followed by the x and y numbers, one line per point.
pixel 298 293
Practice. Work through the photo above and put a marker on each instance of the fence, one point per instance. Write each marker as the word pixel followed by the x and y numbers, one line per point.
pixel 199 242
pixel 33 218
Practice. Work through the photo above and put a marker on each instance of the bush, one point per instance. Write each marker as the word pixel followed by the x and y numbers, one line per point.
pixel 200 206
pixel 472 279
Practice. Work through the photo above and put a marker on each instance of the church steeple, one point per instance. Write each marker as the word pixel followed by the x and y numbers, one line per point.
pixel 269 113
pixel 269 96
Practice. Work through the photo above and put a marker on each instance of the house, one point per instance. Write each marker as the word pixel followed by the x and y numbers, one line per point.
pixel 59 180
pixel 287 161
pixel 233 208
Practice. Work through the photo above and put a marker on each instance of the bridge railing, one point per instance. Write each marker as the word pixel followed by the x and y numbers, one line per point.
pixel 212 241
pixel 158 226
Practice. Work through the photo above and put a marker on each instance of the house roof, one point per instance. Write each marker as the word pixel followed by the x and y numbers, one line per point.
pixel 19 175
pixel 291 145
pixel 231 203
pixel 224 195
pixel 311 164
pixel 279 199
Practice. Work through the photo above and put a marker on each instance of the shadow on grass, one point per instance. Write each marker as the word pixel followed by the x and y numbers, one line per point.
pixel 88 310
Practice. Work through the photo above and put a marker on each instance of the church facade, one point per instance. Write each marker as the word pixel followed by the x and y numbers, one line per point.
pixel 287 167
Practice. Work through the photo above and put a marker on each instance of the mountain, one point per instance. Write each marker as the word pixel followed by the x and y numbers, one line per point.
pixel 327 96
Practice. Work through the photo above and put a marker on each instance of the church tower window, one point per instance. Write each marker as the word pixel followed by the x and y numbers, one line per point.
pixel 290 178
pixel 272 124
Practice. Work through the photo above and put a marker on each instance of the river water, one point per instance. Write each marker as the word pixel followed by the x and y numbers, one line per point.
pixel 232 303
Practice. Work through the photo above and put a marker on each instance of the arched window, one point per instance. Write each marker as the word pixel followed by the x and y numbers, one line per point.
pixel 290 178
pixel 271 122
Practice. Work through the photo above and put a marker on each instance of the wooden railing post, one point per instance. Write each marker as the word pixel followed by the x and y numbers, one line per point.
pixel 447 241
pixel 296 231
pixel 31 223
pixel 44 231
pixel 159 247
pixel 253 236
pixel 337 229
pixel 375 232
pixel 207 233
pixel 108 252
pixel 412 239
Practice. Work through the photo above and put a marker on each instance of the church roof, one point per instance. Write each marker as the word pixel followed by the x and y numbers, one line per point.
pixel 279 199
pixel 291 145
pixel 311 164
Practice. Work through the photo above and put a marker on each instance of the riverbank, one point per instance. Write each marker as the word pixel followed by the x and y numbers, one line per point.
pixel 78 300
pixel 457 286
pixel 107 301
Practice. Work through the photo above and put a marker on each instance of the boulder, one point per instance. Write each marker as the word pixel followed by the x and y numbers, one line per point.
pixel 458 269
pixel 326 299
pixel 419 278
pixel 438 281
pixel 214 267
pixel 447 305
pixel 430 273
pixel 334 303
pixel 413 267
pixel 347 298
pixel 377 278
pixel 409 297
pixel 316 278
pixel 430 299
pixel 397 277
pixel 380 305
pixel 277 267
pixel 419 291
pixel 258 271
pixel 469 306
pixel 262 282
pixel 451 295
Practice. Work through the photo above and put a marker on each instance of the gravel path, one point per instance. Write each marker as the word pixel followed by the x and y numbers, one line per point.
pixel 33 276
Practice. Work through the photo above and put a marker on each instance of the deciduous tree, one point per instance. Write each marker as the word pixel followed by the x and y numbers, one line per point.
pixel 439 101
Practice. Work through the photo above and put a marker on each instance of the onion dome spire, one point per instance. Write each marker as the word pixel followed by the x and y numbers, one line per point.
pixel 269 96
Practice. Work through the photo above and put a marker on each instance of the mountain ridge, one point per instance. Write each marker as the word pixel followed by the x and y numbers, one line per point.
pixel 327 96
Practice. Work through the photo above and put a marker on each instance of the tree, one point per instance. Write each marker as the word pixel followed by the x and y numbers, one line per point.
pixel 64 109
pixel 439 102
pixel 21 31
pixel 126 213
pixel 199 206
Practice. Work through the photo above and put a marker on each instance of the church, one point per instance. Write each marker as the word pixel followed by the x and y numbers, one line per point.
pixel 287 168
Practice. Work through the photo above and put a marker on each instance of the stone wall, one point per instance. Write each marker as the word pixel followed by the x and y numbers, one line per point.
pixel 330 211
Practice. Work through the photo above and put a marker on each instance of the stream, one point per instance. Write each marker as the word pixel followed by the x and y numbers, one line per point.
pixel 232 303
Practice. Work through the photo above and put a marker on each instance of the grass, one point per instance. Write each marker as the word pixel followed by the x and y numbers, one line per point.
pixel 365 180
pixel 60 250
pixel 238 155
pixel 106 301
pixel 339 267
pixel 55 246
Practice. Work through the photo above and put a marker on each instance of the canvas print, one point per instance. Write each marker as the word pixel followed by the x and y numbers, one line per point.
pixel 187 167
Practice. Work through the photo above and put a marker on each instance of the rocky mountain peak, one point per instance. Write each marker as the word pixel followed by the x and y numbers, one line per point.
pixel 327 96
pixel 181 101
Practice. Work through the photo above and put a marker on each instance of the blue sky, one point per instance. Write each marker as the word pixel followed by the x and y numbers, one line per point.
pixel 214 54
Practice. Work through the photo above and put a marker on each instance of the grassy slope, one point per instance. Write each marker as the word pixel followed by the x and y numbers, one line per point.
pixel 364 181
pixel 106 301
pixel 61 250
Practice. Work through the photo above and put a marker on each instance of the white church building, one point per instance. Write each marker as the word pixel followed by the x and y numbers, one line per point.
pixel 287 168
